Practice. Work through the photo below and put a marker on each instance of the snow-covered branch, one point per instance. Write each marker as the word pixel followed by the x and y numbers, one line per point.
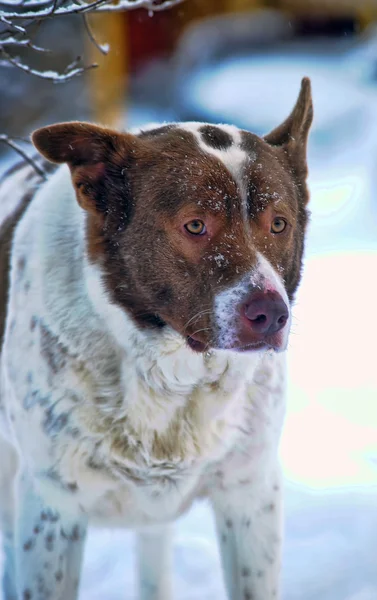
pixel 18 19
pixel 38 9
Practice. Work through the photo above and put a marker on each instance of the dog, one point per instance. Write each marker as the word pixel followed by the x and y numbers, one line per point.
pixel 145 307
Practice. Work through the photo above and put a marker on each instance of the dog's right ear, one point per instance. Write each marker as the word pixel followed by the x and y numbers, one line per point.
pixel 292 135
pixel 97 157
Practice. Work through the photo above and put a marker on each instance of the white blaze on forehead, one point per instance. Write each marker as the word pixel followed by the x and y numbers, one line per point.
pixel 233 157
pixel 227 304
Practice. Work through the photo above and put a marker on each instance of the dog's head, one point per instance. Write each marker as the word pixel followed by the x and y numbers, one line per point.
pixel 195 227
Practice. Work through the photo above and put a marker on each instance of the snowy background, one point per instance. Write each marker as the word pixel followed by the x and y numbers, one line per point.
pixel 329 446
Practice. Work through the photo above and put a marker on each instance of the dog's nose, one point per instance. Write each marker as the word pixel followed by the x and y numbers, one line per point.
pixel 267 312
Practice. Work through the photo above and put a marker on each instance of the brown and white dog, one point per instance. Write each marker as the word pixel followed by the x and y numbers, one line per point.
pixel 145 307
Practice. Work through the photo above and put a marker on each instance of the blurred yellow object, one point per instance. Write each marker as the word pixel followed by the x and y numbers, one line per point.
pixel 108 83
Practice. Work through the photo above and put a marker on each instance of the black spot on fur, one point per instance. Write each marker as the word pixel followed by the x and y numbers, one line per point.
pixel 228 523
pixel 215 137
pixel 59 576
pixel 73 536
pixel 21 264
pixel 245 572
pixel 33 323
pixel 49 515
pixel 28 545
pixel 72 487
pixel 27 595
pixel 50 541
pixel 53 424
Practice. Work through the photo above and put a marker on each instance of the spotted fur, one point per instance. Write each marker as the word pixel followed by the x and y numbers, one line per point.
pixel 128 387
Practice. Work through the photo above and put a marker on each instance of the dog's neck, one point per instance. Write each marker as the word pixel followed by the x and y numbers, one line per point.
pixel 160 354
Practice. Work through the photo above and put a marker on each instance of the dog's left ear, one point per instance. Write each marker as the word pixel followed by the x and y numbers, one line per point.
pixel 293 133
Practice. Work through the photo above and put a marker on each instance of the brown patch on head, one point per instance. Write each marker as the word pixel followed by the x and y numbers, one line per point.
pixel 146 195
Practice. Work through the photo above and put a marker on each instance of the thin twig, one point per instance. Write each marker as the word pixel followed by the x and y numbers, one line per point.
pixel 72 70
pixel 12 41
pixel 103 48
pixel 11 25
pixel 10 142
pixel 54 7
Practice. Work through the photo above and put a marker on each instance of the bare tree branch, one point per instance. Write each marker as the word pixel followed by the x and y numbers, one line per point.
pixel 103 48
pixel 41 8
pixel 71 71
pixel 28 13
pixel 11 25
pixel 12 144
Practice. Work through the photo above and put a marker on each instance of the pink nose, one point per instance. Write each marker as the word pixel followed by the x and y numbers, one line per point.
pixel 267 313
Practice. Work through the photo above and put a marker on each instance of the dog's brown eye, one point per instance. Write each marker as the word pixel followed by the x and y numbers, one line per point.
pixel 196 227
pixel 278 225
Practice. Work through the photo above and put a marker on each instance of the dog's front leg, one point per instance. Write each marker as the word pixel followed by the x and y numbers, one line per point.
pixel 249 526
pixel 48 546
pixel 154 563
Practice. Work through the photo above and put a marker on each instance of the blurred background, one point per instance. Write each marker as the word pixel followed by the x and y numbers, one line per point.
pixel 241 62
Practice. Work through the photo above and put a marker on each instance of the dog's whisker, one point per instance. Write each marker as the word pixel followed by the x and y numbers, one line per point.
pixel 197 316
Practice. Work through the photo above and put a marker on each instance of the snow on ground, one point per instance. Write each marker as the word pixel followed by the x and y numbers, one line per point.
pixel 329 446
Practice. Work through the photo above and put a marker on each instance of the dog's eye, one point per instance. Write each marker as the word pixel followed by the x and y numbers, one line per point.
pixel 278 225
pixel 196 227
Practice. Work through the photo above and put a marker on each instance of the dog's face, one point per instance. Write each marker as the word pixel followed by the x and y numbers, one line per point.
pixel 196 227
